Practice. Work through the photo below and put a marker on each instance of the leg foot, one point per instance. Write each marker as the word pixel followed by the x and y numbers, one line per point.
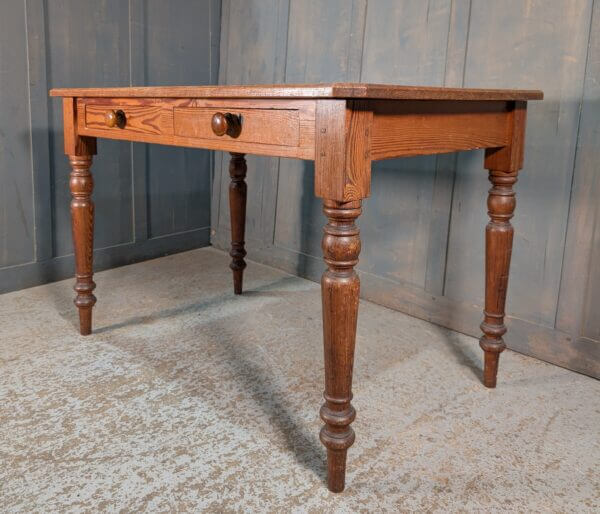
pixel 336 470
pixel 490 368
pixel 491 357
pixel 238 279
pixel 237 209
pixel 85 321
pixel 340 289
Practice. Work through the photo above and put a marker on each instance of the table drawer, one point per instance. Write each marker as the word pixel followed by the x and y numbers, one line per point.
pixel 278 127
pixel 138 119
pixel 267 126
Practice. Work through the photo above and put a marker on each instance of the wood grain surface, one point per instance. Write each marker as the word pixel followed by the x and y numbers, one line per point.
pixel 333 90
pixel 269 126
pixel 404 129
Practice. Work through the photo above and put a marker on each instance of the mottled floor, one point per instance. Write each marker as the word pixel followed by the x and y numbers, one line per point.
pixel 187 398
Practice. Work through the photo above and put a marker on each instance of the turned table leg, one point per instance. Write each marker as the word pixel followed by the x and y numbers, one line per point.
pixel 339 288
pixel 237 209
pixel 503 164
pixel 498 249
pixel 82 221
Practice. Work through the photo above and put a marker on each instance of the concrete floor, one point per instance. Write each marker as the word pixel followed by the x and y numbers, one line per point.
pixel 187 398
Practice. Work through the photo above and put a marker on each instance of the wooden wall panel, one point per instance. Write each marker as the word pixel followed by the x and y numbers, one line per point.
pixel 423 236
pixel 445 168
pixel 299 219
pixel 16 189
pixel 579 314
pixel 591 325
pixel 253 48
pixel 60 43
pixel 178 179
pixel 407 185
pixel 547 47
pixel 404 42
pixel 88 44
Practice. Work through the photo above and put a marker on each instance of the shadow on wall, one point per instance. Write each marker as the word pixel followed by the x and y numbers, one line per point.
pixel 312 220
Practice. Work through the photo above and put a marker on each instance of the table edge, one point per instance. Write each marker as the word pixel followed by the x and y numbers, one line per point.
pixel 305 91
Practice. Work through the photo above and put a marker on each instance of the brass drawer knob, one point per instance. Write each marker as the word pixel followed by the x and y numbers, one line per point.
pixel 115 118
pixel 230 124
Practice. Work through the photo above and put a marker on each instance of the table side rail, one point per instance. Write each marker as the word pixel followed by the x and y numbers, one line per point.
pixel 405 129
pixel 286 128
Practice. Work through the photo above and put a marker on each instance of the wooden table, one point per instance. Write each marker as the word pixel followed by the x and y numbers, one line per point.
pixel 343 128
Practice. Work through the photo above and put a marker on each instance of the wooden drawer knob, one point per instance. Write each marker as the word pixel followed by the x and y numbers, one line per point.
pixel 230 124
pixel 115 118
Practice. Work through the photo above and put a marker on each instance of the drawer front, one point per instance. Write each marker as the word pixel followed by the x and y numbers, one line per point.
pixel 140 119
pixel 277 127
pixel 266 126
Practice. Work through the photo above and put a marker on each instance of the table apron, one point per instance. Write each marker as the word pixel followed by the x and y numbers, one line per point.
pixel 284 128
pixel 405 129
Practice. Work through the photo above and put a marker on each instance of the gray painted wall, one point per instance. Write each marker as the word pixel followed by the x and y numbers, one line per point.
pixel 423 227
pixel 150 200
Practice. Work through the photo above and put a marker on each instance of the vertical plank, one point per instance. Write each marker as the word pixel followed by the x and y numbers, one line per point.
pixel 79 33
pixel 215 204
pixel 253 43
pixel 215 13
pixel 17 238
pixel 338 26
pixel 445 167
pixel 139 151
pixel 316 25
pixel 591 324
pixel 38 115
pixel 577 302
pixel 405 42
pixel 548 49
pixel 177 52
